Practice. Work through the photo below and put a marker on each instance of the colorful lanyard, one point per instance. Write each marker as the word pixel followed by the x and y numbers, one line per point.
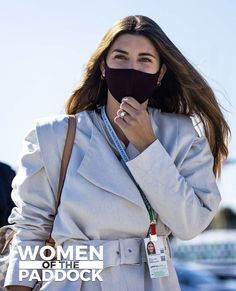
pixel 125 158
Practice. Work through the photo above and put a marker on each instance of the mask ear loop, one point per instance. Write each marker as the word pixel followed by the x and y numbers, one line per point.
pixel 159 71
pixel 158 83
pixel 105 63
pixel 102 80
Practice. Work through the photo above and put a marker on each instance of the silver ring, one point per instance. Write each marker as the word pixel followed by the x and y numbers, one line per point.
pixel 122 115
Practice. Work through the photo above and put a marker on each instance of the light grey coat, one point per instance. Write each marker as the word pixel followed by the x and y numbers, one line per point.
pixel 101 204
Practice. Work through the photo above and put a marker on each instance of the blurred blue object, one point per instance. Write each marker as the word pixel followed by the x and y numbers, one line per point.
pixel 193 277
pixel 210 247
pixel 207 262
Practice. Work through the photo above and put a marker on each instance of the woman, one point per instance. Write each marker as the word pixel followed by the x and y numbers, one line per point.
pixel 141 85
pixel 151 248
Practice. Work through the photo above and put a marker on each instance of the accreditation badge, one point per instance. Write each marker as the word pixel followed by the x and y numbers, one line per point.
pixel 156 257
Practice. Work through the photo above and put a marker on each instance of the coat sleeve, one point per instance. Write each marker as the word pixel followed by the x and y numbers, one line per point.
pixel 186 198
pixel 35 204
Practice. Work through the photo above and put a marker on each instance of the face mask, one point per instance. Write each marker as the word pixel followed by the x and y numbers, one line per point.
pixel 130 82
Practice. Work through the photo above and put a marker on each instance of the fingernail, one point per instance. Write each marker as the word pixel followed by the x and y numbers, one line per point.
pixel 124 99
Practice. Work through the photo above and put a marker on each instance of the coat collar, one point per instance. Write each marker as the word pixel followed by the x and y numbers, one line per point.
pixel 101 167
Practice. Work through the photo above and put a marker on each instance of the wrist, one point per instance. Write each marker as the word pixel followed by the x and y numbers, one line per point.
pixel 143 146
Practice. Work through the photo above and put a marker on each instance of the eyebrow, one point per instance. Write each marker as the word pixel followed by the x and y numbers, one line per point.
pixel 126 53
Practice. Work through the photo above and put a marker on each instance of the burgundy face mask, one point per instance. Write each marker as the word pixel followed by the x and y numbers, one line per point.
pixel 130 82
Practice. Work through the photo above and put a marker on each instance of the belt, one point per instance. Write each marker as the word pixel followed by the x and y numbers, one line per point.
pixel 120 251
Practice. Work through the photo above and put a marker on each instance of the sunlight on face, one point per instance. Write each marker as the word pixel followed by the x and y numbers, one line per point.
pixel 133 52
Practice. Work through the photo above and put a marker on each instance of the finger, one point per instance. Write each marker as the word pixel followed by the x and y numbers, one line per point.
pixel 119 111
pixel 125 106
pixel 120 122
pixel 127 117
pixel 132 102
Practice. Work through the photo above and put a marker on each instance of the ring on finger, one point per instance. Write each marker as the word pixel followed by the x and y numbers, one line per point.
pixel 122 115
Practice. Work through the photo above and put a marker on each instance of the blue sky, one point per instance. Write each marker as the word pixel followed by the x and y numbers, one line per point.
pixel 44 46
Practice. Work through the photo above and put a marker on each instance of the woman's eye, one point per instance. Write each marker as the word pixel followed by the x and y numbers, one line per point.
pixel 120 57
pixel 146 60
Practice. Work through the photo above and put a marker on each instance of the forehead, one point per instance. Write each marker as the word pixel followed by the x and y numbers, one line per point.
pixel 133 43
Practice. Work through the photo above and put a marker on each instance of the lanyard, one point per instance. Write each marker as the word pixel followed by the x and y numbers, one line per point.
pixel 125 159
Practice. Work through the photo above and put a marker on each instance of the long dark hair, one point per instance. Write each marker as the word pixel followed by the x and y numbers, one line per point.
pixel 183 89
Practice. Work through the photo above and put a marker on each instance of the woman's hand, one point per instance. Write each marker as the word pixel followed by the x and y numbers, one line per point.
pixel 136 124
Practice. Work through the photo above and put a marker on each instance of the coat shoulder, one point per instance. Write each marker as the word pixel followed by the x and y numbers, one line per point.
pixel 49 135
pixel 57 124
pixel 175 123
pixel 184 123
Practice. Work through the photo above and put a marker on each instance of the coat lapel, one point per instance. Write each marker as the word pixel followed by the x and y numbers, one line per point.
pixel 101 167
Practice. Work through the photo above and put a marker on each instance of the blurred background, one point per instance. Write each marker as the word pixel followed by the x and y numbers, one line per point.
pixel 44 47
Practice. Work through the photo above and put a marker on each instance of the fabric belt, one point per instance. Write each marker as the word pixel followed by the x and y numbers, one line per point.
pixel 120 251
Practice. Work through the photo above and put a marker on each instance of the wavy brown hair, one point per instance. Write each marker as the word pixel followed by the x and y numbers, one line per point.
pixel 183 89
